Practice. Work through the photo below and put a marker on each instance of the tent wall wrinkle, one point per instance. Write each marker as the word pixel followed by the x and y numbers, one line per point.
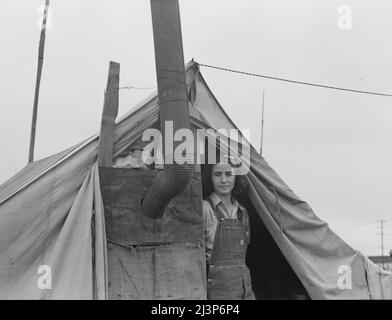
pixel 380 281
pixel 100 266
pixel 69 255
pixel 33 223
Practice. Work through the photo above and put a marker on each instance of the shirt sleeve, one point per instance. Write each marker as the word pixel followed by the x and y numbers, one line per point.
pixel 209 228
pixel 207 216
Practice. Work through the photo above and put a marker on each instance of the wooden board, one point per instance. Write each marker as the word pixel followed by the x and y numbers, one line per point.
pixel 125 222
pixel 167 272
pixel 152 259
pixel 109 114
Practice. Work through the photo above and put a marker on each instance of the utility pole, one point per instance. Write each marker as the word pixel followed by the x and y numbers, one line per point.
pixel 382 240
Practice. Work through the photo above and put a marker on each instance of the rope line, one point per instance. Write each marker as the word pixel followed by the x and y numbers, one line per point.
pixel 297 82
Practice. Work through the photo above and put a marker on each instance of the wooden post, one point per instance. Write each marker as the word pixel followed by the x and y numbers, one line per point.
pixel 109 114
pixel 38 82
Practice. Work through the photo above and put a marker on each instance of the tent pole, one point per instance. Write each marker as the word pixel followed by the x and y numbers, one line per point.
pixel 38 82
pixel 109 114
pixel 262 126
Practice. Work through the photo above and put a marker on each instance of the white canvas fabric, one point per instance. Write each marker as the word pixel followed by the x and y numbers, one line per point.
pixel 51 213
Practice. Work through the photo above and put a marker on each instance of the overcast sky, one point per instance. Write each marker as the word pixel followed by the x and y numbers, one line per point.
pixel 333 148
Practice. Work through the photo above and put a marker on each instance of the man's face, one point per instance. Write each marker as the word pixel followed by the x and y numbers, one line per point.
pixel 223 179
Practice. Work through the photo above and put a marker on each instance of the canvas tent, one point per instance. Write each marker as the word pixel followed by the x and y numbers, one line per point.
pixel 52 214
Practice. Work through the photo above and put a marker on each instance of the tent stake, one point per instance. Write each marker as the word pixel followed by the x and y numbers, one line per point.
pixel 38 82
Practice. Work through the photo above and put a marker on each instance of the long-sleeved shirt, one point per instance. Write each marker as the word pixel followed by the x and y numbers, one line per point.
pixel 210 221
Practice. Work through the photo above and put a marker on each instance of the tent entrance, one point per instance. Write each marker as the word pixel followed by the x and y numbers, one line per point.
pixel 272 275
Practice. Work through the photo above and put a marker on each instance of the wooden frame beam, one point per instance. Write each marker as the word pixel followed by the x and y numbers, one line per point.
pixel 109 114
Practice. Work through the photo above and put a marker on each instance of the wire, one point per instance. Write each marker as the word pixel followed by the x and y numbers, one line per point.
pixel 352 226
pixel 297 82
pixel 138 88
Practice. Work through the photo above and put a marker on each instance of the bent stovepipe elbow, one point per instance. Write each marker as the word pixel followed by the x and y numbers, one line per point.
pixel 170 182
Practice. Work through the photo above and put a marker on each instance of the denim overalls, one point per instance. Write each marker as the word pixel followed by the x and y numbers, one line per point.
pixel 228 275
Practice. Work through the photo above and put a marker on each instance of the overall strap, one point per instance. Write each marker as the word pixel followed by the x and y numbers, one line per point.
pixel 240 214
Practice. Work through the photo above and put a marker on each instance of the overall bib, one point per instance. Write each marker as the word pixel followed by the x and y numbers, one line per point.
pixel 228 275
